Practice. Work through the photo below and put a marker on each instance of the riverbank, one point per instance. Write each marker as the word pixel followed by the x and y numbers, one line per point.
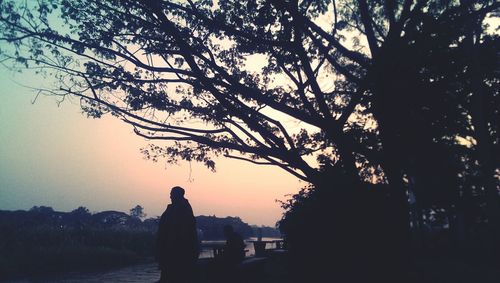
pixel 137 273
pixel 50 265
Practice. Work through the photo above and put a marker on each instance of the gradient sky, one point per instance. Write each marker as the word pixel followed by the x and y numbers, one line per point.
pixel 54 156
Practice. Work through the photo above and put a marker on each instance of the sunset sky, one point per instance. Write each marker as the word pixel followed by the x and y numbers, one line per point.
pixel 55 156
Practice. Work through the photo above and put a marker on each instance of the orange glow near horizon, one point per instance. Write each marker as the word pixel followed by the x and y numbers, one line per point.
pixel 56 157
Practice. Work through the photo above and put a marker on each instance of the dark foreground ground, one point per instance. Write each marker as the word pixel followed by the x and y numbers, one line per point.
pixel 274 270
pixel 270 270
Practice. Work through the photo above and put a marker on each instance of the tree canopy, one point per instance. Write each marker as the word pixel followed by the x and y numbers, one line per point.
pixel 304 85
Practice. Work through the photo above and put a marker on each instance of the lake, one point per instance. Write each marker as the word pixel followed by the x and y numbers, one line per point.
pixel 207 250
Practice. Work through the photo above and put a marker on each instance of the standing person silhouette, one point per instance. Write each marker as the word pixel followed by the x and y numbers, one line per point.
pixel 177 242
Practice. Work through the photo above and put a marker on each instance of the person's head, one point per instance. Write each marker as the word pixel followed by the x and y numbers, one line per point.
pixel 176 194
pixel 228 230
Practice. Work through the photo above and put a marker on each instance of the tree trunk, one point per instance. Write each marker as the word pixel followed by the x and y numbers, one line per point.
pixel 484 144
pixel 391 87
pixel 397 212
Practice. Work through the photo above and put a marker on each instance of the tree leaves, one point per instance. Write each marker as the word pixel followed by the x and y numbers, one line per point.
pixel 279 81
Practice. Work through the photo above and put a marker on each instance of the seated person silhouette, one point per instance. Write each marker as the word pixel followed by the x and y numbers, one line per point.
pixel 224 269
pixel 234 250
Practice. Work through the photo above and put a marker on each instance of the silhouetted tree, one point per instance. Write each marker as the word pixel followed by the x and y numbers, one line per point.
pixel 340 94
pixel 42 209
pixel 111 218
pixel 137 212
pixel 81 211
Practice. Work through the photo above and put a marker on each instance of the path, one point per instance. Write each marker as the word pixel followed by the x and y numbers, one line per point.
pixel 142 273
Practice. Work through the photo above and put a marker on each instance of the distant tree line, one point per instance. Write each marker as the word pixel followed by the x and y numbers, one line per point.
pixel 43 240
pixel 81 219
pixel 266 231
pixel 212 227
